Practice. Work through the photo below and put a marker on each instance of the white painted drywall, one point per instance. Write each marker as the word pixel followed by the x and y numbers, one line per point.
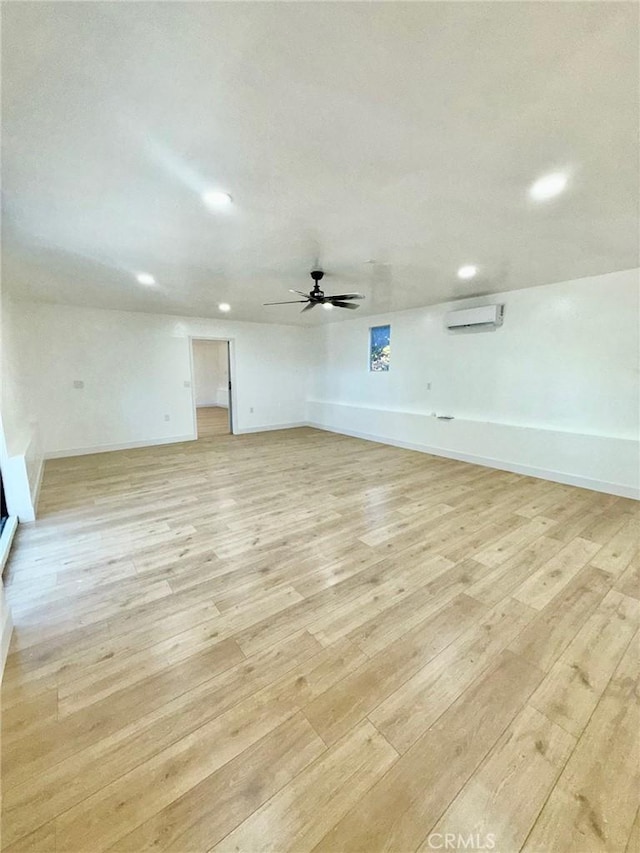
pixel 554 390
pixel 135 369
pixel 211 373
pixel 12 399
pixel 21 458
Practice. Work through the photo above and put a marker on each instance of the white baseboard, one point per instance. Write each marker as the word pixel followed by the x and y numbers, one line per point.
pixel 8 532
pixel 224 406
pixel 5 638
pixel 618 489
pixel 214 404
pixel 107 448
pixel 271 428
pixel 36 490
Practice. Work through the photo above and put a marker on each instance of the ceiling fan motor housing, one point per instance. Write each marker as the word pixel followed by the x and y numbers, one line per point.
pixel 316 293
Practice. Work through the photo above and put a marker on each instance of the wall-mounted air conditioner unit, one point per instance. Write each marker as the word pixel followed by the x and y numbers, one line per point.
pixel 485 315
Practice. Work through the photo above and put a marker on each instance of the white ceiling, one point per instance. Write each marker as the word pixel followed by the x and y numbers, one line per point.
pixel 406 134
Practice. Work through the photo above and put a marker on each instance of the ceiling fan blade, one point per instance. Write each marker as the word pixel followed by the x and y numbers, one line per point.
pixel 309 306
pixel 291 302
pixel 342 304
pixel 346 296
pixel 301 292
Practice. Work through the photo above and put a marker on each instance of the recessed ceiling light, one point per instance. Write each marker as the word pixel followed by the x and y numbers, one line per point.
pixel 145 278
pixel 467 271
pixel 217 199
pixel 224 306
pixel 548 186
pixel 328 306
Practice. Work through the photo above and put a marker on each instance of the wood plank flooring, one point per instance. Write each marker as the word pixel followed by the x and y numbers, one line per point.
pixel 212 421
pixel 296 641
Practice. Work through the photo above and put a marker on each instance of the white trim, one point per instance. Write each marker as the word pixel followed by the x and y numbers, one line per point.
pixel 36 488
pixel 274 427
pixel 8 532
pixel 5 639
pixel 429 415
pixel 107 448
pixel 618 489
pixel 233 400
pixel 17 488
pixel 213 405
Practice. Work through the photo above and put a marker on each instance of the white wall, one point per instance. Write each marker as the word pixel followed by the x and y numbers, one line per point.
pixel 553 392
pixel 21 458
pixel 136 369
pixel 16 483
pixel 211 373
pixel 12 403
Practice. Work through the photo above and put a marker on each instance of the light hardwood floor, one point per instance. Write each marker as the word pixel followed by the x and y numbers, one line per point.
pixel 297 641
pixel 212 421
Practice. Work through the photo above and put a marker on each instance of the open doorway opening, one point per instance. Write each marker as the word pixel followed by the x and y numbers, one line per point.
pixel 212 387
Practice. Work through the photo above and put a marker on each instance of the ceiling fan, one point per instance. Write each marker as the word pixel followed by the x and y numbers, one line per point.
pixel 316 296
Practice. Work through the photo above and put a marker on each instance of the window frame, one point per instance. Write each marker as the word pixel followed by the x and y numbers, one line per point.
pixel 372 369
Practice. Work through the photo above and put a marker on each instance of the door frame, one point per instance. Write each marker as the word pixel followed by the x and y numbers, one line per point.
pixel 231 354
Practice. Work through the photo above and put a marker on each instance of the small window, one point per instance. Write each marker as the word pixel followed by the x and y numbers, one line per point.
pixel 379 337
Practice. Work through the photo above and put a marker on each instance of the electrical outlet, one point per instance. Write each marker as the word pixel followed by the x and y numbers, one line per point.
pixel 251 410
pixel 428 386
pixel 167 417
pixel 78 383
pixel 187 384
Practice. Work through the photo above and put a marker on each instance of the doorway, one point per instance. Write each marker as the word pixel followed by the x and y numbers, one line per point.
pixel 212 387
